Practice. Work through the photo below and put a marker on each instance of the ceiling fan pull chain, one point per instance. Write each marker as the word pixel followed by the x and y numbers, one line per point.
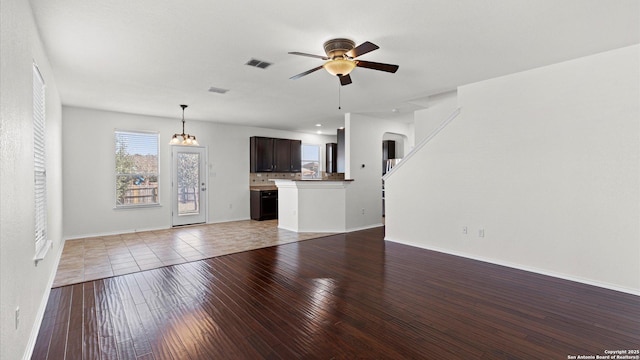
pixel 339 97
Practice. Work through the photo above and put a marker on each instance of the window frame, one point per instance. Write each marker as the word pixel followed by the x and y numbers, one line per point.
pixel 117 206
pixel 303 160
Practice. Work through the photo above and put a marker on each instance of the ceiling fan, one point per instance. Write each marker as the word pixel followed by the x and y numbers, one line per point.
pixel 341 59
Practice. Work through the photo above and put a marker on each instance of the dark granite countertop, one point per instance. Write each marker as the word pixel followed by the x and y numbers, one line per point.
pixel 323 180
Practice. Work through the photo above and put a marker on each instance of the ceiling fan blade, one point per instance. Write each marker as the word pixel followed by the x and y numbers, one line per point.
pixel 345 79
pixel 377 66
pixel 308 55
pixel 362 49
pixel 306 73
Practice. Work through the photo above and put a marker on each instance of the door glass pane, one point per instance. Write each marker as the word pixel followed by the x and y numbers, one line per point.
pixel 188 183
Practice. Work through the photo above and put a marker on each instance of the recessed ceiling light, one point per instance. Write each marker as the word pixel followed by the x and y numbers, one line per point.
pixel 395 110
pixel 318 132
pixel 318 124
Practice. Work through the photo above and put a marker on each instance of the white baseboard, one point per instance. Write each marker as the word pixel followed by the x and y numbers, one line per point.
pixel 227 220
pixel 333 231
pixel 365 227
pixel 109 233
pixel 526 268
pixel 33 336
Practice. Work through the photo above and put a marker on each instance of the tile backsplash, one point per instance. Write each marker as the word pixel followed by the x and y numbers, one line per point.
pixel 332 176
pixel 257 179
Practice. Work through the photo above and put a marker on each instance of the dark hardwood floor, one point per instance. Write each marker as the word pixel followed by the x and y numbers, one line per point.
pixel 344 296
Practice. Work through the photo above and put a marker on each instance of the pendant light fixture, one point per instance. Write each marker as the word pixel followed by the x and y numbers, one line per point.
pixel 183 139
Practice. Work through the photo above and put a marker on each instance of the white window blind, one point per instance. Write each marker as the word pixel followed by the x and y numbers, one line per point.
pixel 39 157
pixel 136 161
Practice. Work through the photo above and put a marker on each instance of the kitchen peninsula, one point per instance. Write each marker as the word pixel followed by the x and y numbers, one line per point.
pixel 312 205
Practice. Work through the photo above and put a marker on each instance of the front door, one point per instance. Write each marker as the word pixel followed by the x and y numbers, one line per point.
pixel 188 185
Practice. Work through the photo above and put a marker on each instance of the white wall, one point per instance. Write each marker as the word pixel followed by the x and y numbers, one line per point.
pixel 547 162
pixel 22 283
pixel 89 169
pixel 439 108
pixel 363 146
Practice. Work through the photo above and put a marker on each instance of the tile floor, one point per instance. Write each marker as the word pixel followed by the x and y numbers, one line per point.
pixel 105 256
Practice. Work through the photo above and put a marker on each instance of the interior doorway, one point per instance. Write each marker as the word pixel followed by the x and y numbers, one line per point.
pixel 393 150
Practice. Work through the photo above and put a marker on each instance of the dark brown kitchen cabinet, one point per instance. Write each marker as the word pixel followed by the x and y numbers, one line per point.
pixel 296 155
pixel 282 155
pixel 341 151
pixel 261 154
pixel 331 158
pixel 275 155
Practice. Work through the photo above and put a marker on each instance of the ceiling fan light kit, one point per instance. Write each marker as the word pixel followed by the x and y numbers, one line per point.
pixel 339 67
pixel 340 59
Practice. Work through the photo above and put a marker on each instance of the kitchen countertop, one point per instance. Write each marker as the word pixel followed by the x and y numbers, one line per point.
pixel 272 186
pixel 334 180
pixel 263 187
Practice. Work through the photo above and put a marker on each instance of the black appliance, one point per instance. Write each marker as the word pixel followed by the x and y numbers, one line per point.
pixel 264 204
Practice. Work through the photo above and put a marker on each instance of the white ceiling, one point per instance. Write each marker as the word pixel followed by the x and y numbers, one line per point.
pixel 149 56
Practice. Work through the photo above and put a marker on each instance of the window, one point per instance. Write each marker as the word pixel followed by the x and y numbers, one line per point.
pixel 39 163
pixel 136 160
pixel 311 161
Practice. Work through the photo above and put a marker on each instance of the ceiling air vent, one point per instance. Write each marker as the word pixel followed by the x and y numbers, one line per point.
pixel 218 90
pixel 258 63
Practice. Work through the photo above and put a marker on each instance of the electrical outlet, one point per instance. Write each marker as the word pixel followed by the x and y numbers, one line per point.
pixel 465 230
pixel 481 233
pixel 362 211
pixel 17 316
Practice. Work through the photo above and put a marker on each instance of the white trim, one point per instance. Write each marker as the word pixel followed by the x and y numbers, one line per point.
pixel 366 227
pixel 35 329
pixel 525 268
pixel 320 162
pixel 133 206
pixel 119 232
pixel 226 221
pixel 424 142
pixel 115 174
pixel 287 228
pixel 131 231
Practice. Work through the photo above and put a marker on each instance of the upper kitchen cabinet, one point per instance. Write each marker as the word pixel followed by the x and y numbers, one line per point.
pixel 275 155
pixel 296 155
pixel 331 158
pixel 261 154
pixel 340 161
